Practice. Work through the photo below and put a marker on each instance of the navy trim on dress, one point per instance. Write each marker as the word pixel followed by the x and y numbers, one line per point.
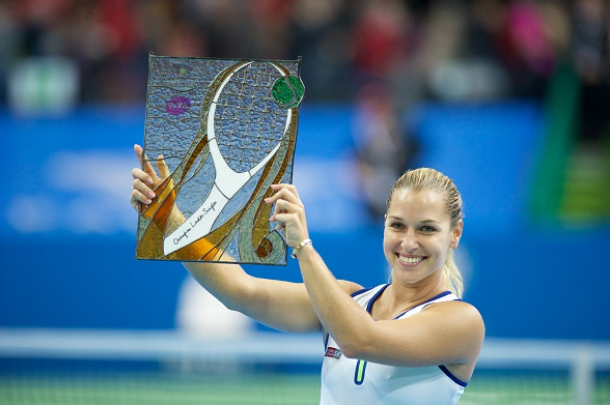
pixel 424 303
pixel 361 291
pixel 374 298
pixel 453 378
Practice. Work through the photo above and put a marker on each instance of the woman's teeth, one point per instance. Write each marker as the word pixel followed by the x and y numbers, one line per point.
pixel 410 260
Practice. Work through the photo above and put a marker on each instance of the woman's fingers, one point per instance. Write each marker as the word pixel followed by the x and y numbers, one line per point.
pixel 286 189
pixel 141 193
pixel 142 176
pixel 142 183
pixel 286 200
pixel 139 151
pixel 281 207
pixel 138 198
pixel 145 162
pixel 163 169
pixel 143 187
pixel 145 180
pixel 286 192
pixel 148 174
pixel 289 213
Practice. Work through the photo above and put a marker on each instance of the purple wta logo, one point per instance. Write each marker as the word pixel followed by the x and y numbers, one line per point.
pixel 177 105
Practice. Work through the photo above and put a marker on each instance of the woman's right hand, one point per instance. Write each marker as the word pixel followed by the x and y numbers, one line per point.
pixel 146 180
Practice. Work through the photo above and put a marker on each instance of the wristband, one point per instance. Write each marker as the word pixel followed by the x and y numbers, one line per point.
pixel 301 246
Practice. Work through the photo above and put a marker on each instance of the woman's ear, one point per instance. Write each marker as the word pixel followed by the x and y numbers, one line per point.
pixel 456 234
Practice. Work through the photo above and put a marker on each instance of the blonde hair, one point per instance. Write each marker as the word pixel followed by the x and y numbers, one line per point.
pixel 430 179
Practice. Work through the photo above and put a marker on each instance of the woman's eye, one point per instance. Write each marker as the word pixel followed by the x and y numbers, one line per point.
pixel 428 229
pixel 396 225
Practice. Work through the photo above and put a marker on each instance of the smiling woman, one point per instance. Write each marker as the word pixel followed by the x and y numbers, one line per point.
pixel 410 341
pixel 417 328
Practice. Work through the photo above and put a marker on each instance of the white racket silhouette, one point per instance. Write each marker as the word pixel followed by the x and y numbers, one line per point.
pixel 228 181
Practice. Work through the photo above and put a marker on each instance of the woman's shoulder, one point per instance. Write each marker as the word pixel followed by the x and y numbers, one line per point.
pixel 460 311
pixel 453 304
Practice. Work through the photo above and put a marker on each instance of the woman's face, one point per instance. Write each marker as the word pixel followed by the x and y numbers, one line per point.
pixel 418 236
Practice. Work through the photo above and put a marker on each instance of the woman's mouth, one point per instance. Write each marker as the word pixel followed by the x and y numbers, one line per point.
pixel 410 260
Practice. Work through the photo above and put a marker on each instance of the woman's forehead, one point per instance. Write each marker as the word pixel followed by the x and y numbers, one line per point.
pixel 426 196
pixel 421 201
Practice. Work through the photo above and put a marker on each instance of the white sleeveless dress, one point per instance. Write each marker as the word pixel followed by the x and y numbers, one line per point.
pixel 348 381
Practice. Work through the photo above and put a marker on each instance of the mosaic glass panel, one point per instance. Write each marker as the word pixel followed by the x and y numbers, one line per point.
pixel 219 132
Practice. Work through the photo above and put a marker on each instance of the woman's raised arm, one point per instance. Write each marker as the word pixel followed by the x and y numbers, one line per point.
pixel 281 305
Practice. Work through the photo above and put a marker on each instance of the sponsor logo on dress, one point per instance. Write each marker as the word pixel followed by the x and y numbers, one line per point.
pixel 333 352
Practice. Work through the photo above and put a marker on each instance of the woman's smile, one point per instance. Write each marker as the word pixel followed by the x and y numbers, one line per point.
pixel 410 260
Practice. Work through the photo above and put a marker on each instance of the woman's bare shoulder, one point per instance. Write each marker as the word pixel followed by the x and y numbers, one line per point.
pixel 461 311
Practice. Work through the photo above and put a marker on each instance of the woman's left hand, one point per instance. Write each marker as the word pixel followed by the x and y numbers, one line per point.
pixel 289 213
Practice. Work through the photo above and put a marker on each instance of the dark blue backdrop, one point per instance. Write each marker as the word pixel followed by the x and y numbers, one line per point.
pixel 67 233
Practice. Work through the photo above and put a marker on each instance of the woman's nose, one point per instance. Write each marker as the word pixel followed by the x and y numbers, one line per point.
pixel 409 241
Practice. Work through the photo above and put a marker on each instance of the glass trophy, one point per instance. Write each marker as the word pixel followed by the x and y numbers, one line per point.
pixel 218 133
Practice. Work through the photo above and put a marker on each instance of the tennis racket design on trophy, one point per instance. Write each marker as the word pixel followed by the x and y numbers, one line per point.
pixel 222 160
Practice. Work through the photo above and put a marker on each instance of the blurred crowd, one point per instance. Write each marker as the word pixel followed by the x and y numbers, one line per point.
pixel 457 50
pixel 381 55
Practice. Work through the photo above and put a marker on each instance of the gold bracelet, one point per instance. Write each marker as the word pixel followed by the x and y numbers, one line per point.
pixel 301 246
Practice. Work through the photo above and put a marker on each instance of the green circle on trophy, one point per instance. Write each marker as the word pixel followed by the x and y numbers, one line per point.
pixel 288 91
